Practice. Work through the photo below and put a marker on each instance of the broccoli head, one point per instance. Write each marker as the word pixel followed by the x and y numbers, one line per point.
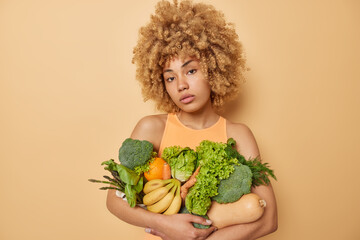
pixel 238 184
pixel 133 152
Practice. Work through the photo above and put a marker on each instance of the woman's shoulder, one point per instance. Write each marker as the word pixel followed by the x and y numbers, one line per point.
pixel 235 129
pixel 245 140
pixel 153 120
pixel 150 128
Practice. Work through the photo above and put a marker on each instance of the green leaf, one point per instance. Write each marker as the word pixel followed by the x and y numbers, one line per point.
pixel 125 180
pixel 130 195
pixel 111 165
pixel 127 175
pixel 231 142
pixel 139 186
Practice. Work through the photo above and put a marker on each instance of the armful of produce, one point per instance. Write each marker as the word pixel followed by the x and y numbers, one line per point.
pixel 214 181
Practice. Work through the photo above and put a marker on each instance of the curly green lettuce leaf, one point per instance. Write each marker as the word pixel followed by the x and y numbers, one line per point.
pixel 198 199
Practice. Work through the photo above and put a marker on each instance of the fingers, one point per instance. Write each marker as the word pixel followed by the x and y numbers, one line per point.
pixel 211 229
pixel 188 231
pixel 200 220
pixel 202 233
pixel 154 232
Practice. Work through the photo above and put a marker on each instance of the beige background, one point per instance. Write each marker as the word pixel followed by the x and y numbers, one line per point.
pixel 68 99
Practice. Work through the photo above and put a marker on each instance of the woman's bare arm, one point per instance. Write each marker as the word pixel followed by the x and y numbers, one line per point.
pixel 148 129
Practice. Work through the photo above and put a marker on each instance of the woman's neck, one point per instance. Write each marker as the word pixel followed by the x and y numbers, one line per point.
pixel 199 119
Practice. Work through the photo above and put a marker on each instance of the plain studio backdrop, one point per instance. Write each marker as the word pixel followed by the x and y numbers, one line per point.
pixel 69 98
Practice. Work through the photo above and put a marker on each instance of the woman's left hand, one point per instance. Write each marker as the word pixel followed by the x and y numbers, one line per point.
pixel 180 226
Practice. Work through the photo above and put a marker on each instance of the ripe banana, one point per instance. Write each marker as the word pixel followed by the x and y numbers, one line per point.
pixel 155 184
pixel 154 196
pixel 175 204
pixel 164 203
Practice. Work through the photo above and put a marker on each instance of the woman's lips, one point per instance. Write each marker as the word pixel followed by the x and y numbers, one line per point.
pixel 187 98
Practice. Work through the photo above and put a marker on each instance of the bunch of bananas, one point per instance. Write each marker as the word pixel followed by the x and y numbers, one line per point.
pixel 162 196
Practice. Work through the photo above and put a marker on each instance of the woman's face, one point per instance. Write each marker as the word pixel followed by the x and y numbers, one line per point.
pixel 186 84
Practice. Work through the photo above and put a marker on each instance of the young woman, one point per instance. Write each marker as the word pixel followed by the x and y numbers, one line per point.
pixel 189 61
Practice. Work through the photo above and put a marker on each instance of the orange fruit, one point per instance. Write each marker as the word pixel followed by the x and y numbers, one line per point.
pixel 156 169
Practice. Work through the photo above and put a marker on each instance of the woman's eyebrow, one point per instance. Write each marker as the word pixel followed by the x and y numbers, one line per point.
pixel 184 65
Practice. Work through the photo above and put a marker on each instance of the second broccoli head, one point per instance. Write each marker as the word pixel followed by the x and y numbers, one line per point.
pixel 133 152
pixel 238 184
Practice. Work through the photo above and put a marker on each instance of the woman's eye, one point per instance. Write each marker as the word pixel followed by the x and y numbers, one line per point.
pixel 170 79
pixel 192 71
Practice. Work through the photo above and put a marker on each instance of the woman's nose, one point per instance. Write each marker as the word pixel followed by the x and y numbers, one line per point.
pixel 182 83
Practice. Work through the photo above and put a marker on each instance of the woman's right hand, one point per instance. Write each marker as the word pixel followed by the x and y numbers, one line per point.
pixel 179 226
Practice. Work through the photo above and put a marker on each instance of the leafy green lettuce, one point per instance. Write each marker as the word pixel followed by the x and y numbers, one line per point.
pixel 182 161
pixel 215 166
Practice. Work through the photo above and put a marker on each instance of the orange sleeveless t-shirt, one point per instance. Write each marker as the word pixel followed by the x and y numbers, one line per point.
pixel 177 134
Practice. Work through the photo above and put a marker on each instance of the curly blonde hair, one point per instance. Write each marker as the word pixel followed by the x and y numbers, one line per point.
pixel 189 29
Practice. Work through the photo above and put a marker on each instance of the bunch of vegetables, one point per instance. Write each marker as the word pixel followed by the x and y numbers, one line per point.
pixel 124 180
pixel 206 181
pixel 135 157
